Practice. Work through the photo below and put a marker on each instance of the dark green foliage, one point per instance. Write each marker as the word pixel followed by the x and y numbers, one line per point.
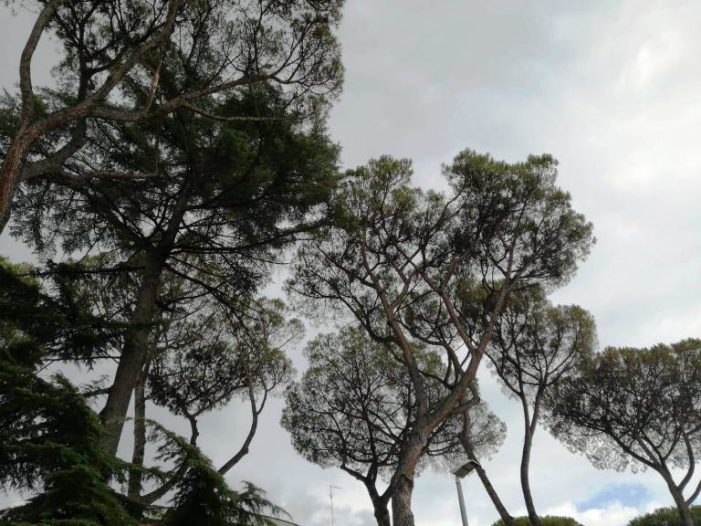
pixel 202 496
pixel 50 442
pixel 666 517
pixel 36 324
pixel 49 437
pixel 548 520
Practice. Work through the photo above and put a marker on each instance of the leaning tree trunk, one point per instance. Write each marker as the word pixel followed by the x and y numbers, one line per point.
pixel 133 358
pixel 525 482
pixel 505 516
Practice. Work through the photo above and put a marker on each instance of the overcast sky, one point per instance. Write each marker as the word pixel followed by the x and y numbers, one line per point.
pixel 613 90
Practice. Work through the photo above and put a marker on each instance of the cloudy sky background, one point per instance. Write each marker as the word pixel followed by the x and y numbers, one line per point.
pixel 613 90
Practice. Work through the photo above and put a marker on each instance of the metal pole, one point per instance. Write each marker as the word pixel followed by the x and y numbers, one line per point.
pixel 461 500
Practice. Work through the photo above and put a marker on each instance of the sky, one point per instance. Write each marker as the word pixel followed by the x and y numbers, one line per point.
pixel 610 88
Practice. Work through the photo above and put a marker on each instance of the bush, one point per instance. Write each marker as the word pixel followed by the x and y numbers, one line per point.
pixel 548 520
pixel 665 516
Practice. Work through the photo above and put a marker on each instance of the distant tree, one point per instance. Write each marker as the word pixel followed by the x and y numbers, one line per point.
pixel 117 56
pixel 397 259
pixel 354 408
pixel 668 516
pixel 534 347
pixel 638 408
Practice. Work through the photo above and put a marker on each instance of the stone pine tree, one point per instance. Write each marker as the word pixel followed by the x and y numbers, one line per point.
pixel 398 258
pixel 354 408
pixel 536 345
pixel 637 408
pixel 115 64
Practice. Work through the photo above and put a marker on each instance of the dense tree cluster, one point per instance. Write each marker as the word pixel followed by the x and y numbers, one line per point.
pixel 181 155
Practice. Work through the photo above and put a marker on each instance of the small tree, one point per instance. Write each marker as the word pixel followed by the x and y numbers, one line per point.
pixel 534 347
pixel 354 408
pixel 637 408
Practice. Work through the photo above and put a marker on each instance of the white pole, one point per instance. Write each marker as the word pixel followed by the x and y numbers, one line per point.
pixel 461 500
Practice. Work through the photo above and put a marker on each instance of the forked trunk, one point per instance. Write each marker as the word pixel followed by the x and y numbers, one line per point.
pixel 682 506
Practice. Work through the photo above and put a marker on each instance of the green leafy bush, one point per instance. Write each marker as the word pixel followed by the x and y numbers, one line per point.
pixel 665 516
pixel 548 520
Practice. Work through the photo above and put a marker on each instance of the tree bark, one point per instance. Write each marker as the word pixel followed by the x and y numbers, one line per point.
pixel 401 502
pixel 682 506
pixel 134 355
pixel 381 512
pixel 529 429
pixel 403 479
pixel 137 458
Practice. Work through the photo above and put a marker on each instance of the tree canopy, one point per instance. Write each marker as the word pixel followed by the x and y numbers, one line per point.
pixel 355 406
pixel 399 259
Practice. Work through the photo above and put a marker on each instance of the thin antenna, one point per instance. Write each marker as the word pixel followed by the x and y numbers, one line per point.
pixel 331 488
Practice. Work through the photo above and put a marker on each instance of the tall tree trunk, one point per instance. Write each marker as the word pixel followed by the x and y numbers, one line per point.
pixel 137 458
pixel 403 479
pixel 529 429
pixel 134 356
pixel 682 506
pixel 401 502
pixel 525 482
